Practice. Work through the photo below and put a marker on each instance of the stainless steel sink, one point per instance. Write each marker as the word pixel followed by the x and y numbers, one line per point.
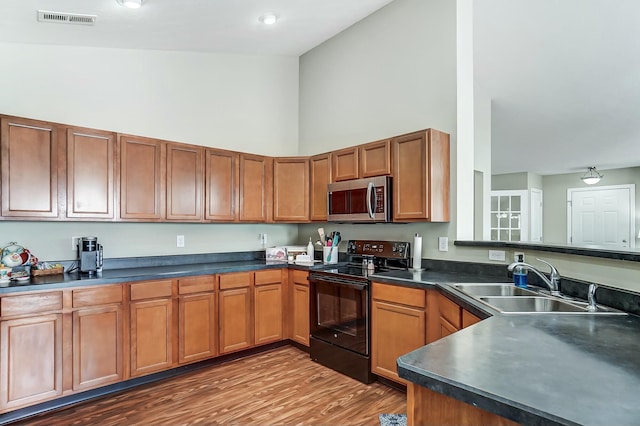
pixel 494 290
pixel 509 299
pixel 526 304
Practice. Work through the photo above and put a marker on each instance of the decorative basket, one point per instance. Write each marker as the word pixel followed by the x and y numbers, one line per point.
pixel 43 272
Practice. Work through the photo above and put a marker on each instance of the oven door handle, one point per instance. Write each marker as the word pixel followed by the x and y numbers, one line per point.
pixel 370 191
pixel 339 281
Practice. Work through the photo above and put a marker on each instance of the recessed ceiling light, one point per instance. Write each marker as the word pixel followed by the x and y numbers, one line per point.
pixel 268 18
pixel 131 4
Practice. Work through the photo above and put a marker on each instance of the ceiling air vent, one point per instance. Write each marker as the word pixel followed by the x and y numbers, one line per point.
pixel 66 18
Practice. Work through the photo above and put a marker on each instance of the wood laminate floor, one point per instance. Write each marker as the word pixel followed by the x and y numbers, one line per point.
pixel 279 387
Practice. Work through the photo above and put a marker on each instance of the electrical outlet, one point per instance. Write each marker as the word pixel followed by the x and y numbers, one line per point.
pixel 179 240
pixel 443 243
pixel 516 256
pixel 263 239
pixel 74 243
pixel 496 255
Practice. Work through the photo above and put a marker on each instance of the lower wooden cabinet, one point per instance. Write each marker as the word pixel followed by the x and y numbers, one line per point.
pixel 452 317
pixel 197 334
pixel 30 360
pixel 150 322
pixel 97 347
pixel 197 319
pixel 234 301
pixel 268 315
pixel 398 326
pixel 299 306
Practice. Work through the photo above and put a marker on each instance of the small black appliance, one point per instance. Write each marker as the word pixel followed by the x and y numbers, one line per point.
pixel 89 255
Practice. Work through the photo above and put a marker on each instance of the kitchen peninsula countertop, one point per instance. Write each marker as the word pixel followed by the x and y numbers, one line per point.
pixel 541 369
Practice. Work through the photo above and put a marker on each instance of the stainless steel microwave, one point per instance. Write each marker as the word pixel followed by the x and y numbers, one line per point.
pixel 360 200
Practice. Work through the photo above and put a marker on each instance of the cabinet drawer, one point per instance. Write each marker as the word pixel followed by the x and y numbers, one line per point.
pixel 196 284
pixel 97 296
pixel 450 311
pixel 235 280
pixel 300 277
pixel 150 289
pixel 397 294
pixel 31 303
pixel 270 276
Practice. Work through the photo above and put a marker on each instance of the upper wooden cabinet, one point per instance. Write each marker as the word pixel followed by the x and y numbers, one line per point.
pixel 320 177
pixel 185 182
pixel 255 188
pixel 142 182
pixel 90 174
pixel 221 181
pixel 344 164
pixel 30 168
pixel 375 158
pixel 368 160
pixel 291 189
pixel 421 177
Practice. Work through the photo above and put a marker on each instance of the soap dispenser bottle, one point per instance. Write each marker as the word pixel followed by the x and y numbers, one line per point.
pixel 520 274
pixel 310 249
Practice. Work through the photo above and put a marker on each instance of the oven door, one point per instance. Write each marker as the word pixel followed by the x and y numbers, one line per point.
pixel 340 312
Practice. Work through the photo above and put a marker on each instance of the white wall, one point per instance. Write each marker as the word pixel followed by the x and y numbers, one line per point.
pixel 52 241
pixel 391 73
pixel 240 102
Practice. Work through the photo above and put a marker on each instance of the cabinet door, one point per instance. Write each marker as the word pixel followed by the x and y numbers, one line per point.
pixel 197 335
pixel 344 164
pixel 90 174
pixel 235 319
pixel 255 188
pixel 222 176
pixel 375 159
pixel 268 314
pixel 150 336
pixel 395 330
pixel 446 328
pixel 320 177
pixel 30 360
pixel 142 178
pixel 184 182
pixel 291 189
pixel 300 314
pixel 97 347
pixel 421 177
pixel 29 161
pixel 469 319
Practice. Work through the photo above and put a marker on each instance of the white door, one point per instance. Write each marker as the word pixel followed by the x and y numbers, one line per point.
pixel 601 217
pixel 535 229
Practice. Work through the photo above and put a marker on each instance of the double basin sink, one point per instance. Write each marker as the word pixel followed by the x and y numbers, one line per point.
pixel 509 299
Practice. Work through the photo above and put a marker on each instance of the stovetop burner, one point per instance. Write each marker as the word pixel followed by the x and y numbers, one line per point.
pixel 362 255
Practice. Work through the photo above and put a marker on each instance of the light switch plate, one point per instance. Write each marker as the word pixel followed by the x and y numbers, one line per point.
pixel 443 243
pixel 496 255
pixel 179 240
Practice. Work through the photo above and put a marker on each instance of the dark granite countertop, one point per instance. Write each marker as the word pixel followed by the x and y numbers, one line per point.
pixel 533 369
pixel 141 273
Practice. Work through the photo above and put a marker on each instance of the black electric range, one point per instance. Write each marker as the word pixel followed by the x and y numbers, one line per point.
pixel 340 305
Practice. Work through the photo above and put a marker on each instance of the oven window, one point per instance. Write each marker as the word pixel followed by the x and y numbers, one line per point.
pixel 340 308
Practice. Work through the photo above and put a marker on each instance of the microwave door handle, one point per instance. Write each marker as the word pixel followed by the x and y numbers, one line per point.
pixel 370 191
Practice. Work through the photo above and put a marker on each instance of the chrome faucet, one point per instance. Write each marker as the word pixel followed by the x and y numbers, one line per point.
pixel 551 282
pixel 591 298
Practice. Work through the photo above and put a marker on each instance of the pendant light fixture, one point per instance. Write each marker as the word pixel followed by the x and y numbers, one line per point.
pixel 592 176
pixel 131 4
